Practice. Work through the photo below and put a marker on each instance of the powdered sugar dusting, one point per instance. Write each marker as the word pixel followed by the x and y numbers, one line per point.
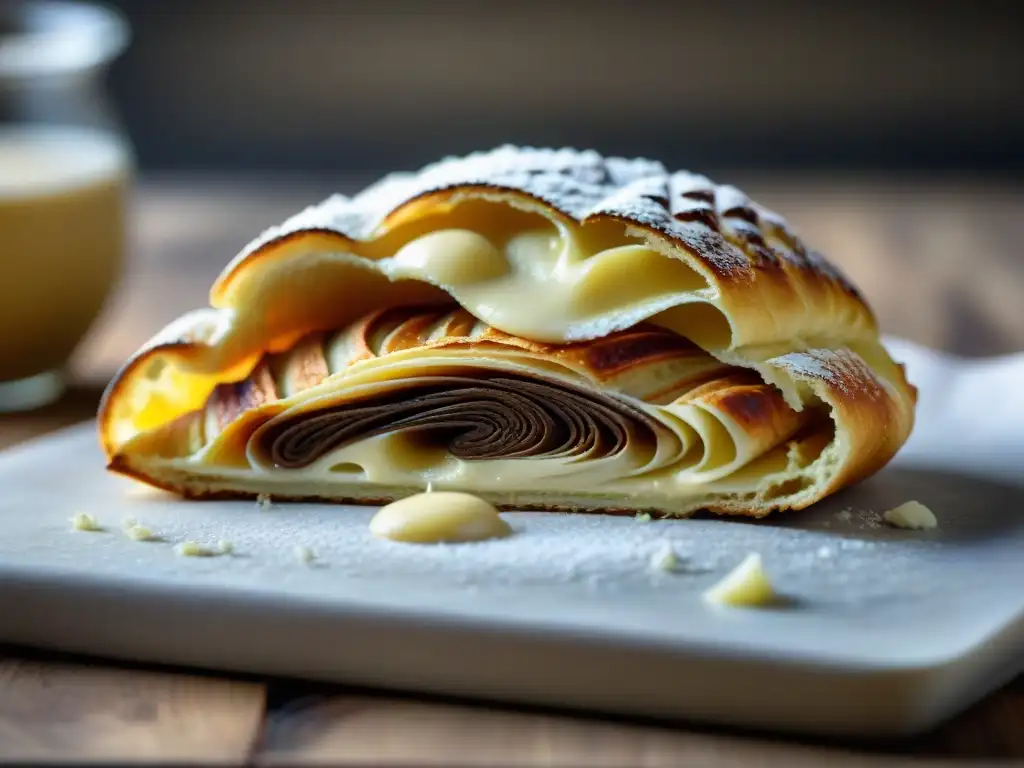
pixel 717 223
pixel 592 557
pixel 841 369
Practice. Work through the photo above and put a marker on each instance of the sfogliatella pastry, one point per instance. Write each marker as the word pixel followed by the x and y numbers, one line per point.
pixel 545 329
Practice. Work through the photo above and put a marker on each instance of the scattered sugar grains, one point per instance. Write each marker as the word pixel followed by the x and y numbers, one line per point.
pixel 872 519
pixel 912 515
pixel 85 522
pixel 746 586
pixel 139 533
pixel 862 519
pixel 194 549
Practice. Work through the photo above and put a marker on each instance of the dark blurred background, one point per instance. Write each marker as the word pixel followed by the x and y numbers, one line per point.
pixel 325 85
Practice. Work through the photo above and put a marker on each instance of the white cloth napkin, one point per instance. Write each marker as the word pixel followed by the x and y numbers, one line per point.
pixel 970 413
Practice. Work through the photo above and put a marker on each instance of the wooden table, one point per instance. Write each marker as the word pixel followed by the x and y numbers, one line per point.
pixel 942 264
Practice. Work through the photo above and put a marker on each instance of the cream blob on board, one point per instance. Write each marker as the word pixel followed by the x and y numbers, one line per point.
pixel 438 517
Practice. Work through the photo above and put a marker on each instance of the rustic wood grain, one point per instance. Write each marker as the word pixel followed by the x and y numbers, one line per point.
pixel 57 712
pixel 365 731
pixel 941 264
pixel 78 404
pixel 992 728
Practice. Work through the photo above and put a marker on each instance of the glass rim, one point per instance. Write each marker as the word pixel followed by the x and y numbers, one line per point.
pixel 59 37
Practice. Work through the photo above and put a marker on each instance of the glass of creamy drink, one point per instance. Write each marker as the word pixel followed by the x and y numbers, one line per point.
pixel 65 167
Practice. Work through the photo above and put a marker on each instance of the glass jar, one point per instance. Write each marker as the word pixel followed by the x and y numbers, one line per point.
pixel 65 169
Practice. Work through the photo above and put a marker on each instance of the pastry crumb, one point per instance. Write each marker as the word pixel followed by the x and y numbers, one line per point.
pixel 194 549
pixel 305 554
pixel 85 522
pixel 643 517
pixel 139 533
pixel 263 501
pixel 665 558
pixel 746 586
pixel 912 515
pixel 225 547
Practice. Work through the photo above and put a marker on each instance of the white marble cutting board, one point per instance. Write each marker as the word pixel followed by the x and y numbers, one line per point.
pixel 886 631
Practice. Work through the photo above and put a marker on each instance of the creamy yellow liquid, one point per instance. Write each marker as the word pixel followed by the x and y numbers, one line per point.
pixel 443 516
pixel 62 241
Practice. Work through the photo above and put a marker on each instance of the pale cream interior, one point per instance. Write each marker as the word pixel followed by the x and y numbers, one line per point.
pixel 539 283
